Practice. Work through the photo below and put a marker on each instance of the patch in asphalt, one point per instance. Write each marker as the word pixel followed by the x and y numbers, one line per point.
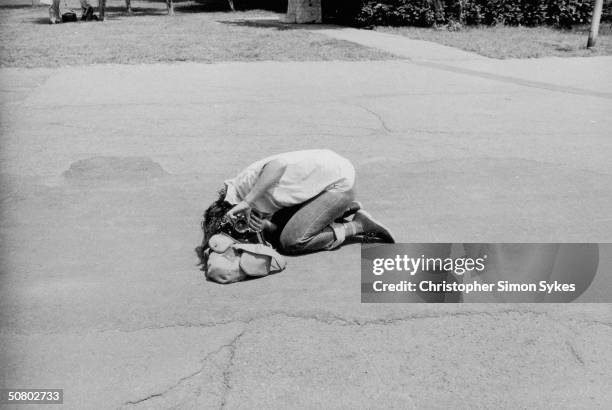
pixel 113 169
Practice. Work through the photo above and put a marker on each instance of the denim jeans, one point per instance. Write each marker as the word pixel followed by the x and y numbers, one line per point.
pixel 305 228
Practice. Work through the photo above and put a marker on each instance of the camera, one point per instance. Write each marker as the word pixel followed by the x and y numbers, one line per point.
pixel 240 223
pixel 239 229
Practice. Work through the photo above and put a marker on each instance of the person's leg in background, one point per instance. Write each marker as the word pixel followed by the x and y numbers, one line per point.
pixel 54 12
pixel 88 10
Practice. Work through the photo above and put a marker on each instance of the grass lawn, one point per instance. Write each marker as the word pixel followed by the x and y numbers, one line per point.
pixel 514 42
pixel 197 32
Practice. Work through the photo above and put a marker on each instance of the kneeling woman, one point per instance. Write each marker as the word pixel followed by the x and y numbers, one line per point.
pixel 302 201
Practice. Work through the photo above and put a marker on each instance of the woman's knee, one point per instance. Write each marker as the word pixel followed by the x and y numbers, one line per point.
pixel 292 244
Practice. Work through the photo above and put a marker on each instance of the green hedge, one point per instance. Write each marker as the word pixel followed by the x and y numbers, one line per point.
pixel 425 13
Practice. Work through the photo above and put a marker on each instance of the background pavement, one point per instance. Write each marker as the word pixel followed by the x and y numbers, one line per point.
pixel 100 293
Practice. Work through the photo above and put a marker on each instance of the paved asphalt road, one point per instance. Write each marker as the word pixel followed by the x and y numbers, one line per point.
pixel 100 293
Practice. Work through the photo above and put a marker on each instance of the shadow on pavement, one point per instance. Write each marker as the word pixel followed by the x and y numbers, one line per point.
pixel 277 24
pixel 15 6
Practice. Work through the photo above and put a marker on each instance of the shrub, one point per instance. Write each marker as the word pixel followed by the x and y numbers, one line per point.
pixel 397 13
pixel 341 11
pixel 565 13
pixel 561 13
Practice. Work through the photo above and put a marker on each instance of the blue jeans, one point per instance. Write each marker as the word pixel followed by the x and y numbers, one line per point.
pixel 305 227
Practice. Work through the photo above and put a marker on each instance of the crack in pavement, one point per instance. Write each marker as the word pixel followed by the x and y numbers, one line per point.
pixel 379 117
pixel 594 322
pixel 231 345
pixel 332 319
pixel 328 318
pixel 255 99
pixel 574 352
pixel 227 372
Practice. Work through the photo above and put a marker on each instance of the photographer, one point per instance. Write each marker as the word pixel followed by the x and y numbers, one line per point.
pixel 301 201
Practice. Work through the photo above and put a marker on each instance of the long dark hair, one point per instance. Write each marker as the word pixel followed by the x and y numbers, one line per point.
pixel 211 223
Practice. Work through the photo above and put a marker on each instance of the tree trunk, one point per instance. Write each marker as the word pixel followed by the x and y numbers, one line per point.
pixel 438 10
pixel 595 23
pixel 304 11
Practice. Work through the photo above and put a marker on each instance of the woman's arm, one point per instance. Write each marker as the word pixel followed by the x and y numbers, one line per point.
pixel 270 174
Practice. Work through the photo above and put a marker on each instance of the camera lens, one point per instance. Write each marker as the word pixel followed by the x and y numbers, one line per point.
pixel 241 225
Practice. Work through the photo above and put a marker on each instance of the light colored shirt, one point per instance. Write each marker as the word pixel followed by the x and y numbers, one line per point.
pixel 307 174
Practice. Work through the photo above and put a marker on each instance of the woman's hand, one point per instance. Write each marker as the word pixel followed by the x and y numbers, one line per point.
pixel 256 223
pixel 269 226
pixel 242 208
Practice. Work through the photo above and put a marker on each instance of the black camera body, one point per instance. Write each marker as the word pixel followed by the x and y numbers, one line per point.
pixel 240 223
pixel 238 228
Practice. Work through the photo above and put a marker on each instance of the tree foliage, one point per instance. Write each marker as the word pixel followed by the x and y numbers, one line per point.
pixel 425 13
